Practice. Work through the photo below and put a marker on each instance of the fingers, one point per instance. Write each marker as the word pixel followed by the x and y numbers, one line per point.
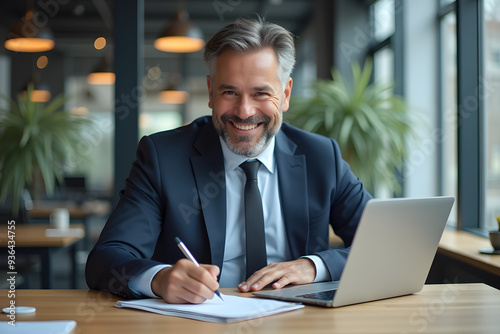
pixel 186 283
pixel 214 270
pixel 281 274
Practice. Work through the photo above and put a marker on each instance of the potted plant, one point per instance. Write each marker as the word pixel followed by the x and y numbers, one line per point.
pixel 495 237
pixel 369 122
pixel 36 139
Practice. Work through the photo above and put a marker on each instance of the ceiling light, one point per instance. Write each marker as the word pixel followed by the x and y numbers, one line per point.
pixel 180 36
pixel 173 96
pixel 102 74
pixel 174 92
pixel 100 43
pixel 42 62
pixel 80 111
pixel 40 95
pixel 40 91
pixel 29 36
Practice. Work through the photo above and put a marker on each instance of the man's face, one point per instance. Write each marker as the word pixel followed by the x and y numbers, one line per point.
pixel 247 99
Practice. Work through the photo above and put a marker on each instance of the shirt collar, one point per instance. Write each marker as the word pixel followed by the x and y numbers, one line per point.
pixel 233 160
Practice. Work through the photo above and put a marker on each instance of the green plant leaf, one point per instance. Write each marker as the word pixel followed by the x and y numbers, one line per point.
pixel 35 137
pixel 370 123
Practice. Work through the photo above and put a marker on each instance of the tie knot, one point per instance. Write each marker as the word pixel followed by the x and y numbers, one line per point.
pixel 250 168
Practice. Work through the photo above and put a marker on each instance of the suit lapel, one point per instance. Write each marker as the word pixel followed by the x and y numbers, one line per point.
pixel 293 192
pixel 209 173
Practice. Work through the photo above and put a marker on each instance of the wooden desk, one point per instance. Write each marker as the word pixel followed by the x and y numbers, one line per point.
pixel 31 239
pixel 464 247
pixel 457 308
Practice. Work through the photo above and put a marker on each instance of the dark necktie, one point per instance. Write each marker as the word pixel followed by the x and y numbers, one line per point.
pixel 254 220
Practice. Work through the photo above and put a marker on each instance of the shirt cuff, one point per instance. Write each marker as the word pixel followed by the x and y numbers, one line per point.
pixel 141 283
pixel 322 273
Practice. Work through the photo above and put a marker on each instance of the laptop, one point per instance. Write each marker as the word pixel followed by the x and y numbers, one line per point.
pixel 391 254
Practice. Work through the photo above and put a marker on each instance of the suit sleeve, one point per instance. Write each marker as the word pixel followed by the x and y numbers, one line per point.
pixel 348 200
pixel 129 237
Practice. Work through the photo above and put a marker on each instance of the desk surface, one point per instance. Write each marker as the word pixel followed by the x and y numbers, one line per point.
pixel 458 308
pixel 33 235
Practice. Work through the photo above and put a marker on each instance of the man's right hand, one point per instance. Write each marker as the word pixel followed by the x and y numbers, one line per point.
pixel 186 283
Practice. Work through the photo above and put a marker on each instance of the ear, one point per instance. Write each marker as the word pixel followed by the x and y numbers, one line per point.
pixel 209 86
pixel 286 95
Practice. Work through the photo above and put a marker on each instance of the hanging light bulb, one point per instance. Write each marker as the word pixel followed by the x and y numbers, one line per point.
pixel 173 96
pixel 28 36
pixel 174 92
pixel 40 91
pixel 180 36
pixel 102 73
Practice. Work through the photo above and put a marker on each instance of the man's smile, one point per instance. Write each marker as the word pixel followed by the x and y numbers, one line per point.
pixel 245 126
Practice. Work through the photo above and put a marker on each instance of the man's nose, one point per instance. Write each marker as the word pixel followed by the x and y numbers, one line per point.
pixel 245 107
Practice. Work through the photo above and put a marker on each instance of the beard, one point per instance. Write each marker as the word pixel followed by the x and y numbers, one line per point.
pixel 269 132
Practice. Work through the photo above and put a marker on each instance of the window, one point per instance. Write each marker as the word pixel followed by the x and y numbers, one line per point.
pixel 383 19
pixel 383 28
pixel 490 84
pixel 386 23
pixel 384 65
pixel 474 116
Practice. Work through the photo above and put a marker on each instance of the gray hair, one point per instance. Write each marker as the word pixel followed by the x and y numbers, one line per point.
pixel 245 35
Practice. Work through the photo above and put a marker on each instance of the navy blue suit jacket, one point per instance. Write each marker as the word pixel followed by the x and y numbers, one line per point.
pixel 177 188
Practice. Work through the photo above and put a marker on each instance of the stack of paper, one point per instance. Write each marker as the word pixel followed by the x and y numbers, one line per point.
pixel 232 309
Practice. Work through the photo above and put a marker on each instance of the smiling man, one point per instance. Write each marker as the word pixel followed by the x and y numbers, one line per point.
pixel 191 183
pixel 247 99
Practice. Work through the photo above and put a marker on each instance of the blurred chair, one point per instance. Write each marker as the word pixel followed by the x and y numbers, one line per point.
pixel 25 264
pixel 74 189
pixel 21 216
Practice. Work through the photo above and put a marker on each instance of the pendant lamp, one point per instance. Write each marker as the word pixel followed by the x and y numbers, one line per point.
pixel 174 92
pixel 102 73
pixel 180 35
pixel 40 91
pixel 28 35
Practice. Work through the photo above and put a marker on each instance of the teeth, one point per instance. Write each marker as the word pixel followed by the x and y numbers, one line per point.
pixel 245 127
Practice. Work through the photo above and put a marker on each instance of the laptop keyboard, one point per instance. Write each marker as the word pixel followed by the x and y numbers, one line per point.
pixel 322 295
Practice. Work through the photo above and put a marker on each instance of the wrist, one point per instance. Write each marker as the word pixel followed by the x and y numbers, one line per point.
pixel 157 281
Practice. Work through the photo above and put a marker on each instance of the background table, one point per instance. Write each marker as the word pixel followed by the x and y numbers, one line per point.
pixel 455 308
pixel 31 239
pixel 458 260
pixel 80 212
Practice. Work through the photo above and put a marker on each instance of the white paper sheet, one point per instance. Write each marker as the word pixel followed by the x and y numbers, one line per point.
pixel 232 309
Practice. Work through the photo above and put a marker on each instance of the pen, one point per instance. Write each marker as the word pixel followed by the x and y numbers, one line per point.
pixel 190 256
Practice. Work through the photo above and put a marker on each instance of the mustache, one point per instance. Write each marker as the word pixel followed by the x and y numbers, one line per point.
pixel 250 120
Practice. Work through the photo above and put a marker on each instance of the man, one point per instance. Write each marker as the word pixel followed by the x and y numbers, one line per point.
pixel 188 183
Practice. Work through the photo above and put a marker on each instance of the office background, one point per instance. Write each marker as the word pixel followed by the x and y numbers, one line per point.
pixel 443 55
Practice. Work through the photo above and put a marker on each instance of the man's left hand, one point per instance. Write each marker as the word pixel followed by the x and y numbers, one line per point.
pixel 299 271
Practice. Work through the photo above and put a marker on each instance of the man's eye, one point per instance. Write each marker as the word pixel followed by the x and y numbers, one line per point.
pixel 229 92
pixel 261 94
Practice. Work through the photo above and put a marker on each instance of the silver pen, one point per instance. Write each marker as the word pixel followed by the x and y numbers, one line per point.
pixel 190 256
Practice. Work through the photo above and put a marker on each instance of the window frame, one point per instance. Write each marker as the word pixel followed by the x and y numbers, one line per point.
pixel 470 150
pixel 471 180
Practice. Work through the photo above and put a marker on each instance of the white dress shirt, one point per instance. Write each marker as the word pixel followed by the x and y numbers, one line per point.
pixel 234 262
